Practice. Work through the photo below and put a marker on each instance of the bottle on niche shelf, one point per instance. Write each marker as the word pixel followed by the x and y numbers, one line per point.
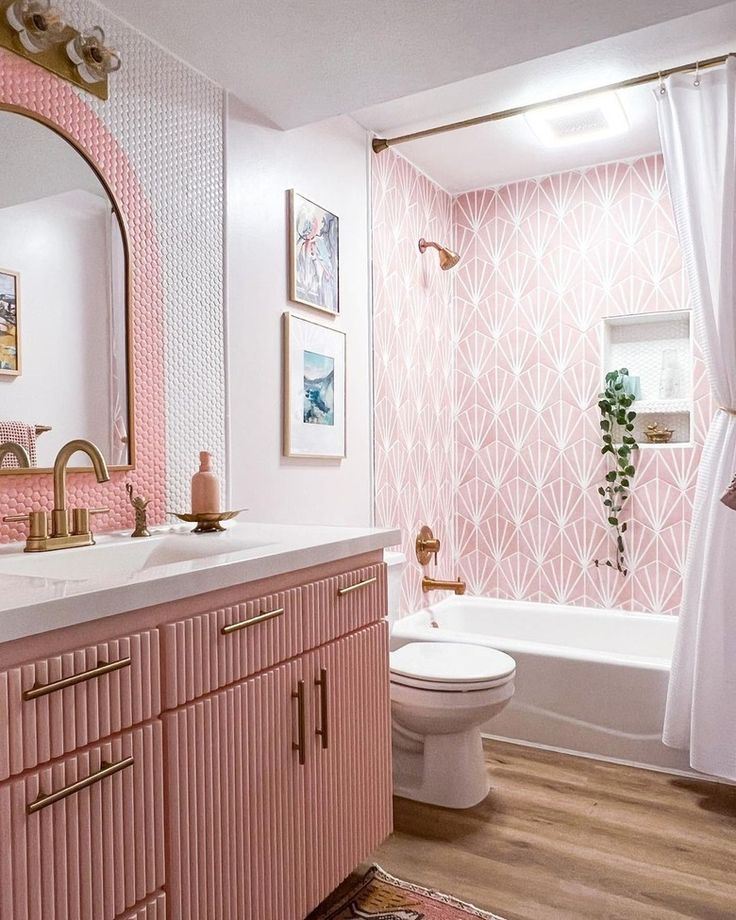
pixel 205 486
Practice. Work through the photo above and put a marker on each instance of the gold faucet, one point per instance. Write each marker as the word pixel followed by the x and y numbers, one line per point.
pixel 41 536
pixel 17 451
pixel 435 584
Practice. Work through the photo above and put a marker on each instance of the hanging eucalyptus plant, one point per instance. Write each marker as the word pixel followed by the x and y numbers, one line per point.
pixel 617 417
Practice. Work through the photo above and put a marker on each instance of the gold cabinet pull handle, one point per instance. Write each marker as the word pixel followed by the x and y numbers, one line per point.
pixel 107 769
pixel 103 667
pixel 322 731
pixel 341 592
pixel 300 745
pixel 243 624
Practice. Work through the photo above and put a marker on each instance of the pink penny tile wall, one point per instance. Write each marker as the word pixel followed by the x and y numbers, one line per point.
pixel 413 363
pixel 25 85
pixel 543 261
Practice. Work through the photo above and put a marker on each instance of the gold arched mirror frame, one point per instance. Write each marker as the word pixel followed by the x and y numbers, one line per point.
pixel 129 388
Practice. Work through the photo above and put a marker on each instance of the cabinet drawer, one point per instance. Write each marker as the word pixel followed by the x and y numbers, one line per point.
pixel 94 847
pixel 56 705
pixel 215 649
pixel 343 603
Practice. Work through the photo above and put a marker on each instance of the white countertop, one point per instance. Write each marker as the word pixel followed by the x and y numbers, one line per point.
pixel 72 589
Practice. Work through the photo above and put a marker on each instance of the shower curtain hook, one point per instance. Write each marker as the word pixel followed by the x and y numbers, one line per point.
pixel 697 74
pixel 662 89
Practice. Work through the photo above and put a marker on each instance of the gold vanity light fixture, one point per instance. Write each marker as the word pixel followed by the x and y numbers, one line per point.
pixel 36 30
pixel 448 258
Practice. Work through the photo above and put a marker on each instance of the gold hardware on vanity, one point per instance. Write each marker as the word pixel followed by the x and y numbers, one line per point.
pixel 139 504
pixel 436 584
pixel 107 769
pixel 300 744
pixel 341 592
pixel 36 30
pixel 15 450
pixel 243 624
pixel 208 521
pixel 103 667
pixel 321 682
pixel 427 545
pixel 48 533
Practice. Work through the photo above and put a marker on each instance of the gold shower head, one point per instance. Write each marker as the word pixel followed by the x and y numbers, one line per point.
pixel 448 258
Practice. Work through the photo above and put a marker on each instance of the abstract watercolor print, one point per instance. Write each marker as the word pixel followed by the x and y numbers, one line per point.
pixel 9 336
pixel 314 389
pixel 319 389
pixel 314 255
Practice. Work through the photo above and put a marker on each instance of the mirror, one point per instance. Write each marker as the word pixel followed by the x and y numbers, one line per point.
pixel 64 326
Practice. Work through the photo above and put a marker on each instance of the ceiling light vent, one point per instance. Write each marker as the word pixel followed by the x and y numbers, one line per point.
pixel 579 120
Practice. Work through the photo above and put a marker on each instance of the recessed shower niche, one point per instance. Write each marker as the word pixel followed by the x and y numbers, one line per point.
pixel 656 348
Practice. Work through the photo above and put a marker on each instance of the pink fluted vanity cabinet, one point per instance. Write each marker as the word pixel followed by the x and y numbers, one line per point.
pixel 224 756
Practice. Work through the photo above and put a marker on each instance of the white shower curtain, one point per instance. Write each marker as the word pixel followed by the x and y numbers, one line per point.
pixel 697 124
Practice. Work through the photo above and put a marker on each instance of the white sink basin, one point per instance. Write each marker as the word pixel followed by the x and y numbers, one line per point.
pixel 120 557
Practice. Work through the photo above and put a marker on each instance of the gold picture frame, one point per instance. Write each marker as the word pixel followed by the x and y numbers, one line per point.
pixel 314 255
pixel 10 343
pixel 315 390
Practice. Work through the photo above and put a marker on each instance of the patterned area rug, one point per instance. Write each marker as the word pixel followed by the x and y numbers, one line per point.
pixel 380 896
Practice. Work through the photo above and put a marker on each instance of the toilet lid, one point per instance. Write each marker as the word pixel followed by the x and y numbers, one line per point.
pixel 449 664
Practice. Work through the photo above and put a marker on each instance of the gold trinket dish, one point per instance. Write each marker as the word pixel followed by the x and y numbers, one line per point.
pixel 208 521
pixel 657 434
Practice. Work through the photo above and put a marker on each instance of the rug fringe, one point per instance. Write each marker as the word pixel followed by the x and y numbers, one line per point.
pixel 376 871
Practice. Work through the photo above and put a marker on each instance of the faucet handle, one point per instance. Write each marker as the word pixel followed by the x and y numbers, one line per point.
pixel 38 520
pixel 99 511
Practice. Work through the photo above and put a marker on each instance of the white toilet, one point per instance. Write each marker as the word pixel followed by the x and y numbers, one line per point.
pixel 441 693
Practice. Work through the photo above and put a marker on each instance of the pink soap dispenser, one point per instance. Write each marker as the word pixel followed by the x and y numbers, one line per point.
pixel 205 486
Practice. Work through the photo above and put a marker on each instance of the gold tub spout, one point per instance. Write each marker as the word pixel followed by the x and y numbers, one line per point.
pixel 436 584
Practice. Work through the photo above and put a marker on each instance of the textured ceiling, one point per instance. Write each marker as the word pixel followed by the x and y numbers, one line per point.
pixel 298 62
pixel 505 151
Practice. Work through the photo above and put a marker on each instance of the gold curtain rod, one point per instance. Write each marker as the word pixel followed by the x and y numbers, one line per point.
pixel 382 143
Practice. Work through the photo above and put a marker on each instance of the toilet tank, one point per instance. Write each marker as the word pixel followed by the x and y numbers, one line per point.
pixel 395 563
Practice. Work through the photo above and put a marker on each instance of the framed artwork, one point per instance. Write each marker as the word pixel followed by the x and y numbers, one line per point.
pixel 314 389
pixel 9 323
pixel 314 255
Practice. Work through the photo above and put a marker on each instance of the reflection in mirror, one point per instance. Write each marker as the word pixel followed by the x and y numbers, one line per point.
pixel 63 321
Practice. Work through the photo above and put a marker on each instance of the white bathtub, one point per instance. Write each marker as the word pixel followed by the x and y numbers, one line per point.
pixel 589 681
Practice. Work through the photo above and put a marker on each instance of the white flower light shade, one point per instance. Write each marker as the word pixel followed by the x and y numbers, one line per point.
pixel 93 59
pixel 39 25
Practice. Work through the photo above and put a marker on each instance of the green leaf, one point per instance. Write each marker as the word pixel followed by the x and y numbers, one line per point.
pixel 611 476
pixel 605 424
pixel 613 521
pixel 624 527
pixel 630 470
pixel 601 490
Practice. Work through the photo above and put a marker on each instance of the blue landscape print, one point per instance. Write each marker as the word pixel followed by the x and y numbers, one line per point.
pixel 319 389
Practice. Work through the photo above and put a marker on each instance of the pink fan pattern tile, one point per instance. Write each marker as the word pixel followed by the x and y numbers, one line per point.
pixel 543 261
pixel 413 361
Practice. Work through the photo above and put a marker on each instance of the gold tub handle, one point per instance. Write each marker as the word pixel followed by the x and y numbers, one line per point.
pixel 103 667
pixel 107 769
pixel 341 592
pixel 243 624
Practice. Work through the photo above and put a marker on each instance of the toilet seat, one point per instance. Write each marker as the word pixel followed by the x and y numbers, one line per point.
pixel 450 667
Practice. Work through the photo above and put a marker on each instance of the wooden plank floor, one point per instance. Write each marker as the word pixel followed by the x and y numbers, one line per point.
pixel 564 838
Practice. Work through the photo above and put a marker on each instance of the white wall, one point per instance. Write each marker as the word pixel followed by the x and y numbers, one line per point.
pixel 328 164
